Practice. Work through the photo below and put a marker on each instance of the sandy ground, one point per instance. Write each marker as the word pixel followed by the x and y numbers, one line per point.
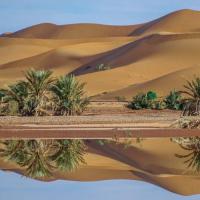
pixel 134 117
pixel 143 123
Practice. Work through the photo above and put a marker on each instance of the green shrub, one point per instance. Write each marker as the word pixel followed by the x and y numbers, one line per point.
pixel 173 101
pixel 151 95
pixel 143 100
pixel 160 105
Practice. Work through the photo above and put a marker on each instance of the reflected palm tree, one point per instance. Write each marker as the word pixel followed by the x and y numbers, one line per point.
pixel 192 145
pixel 41 157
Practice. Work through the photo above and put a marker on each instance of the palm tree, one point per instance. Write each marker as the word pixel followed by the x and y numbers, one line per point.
pixel 192 159
pixel 38 84
pixel 69 95
pixel 41 157
pixel 18 93
pixel 192 103
pixel 30 94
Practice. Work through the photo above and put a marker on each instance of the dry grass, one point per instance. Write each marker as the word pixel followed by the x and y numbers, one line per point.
pixel 187 123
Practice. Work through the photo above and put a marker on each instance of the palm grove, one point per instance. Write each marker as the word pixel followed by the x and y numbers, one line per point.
pixel 40 93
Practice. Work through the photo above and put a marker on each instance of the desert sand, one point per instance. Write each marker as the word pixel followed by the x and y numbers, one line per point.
pixel 140 161
pixel 159 55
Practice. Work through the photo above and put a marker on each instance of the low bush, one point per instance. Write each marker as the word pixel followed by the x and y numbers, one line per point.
pixel 144 101
pixel 173 101
pixel 150 100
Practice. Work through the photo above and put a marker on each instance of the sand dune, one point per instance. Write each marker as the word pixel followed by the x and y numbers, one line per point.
pixel 63 59
pixel 52 31
pixel 178 79
pixel 139 62
pixel 139 57
pixel 177 22
pixel 137 162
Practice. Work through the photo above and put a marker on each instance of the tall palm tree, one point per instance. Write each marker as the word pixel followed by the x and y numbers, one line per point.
pixel 192 103
pixel 41 157
pixel 38 84
pixel 69 95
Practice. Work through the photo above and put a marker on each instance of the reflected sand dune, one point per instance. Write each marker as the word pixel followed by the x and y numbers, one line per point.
pixel 161 161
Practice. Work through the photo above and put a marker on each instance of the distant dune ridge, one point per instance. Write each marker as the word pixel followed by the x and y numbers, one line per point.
pixel 159 55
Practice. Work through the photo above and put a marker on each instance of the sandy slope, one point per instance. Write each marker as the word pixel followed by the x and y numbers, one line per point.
pixel 145 60
pixel 156 55
pixel 63 57
pixel 140 161
pixel 179 22
pixel 177 78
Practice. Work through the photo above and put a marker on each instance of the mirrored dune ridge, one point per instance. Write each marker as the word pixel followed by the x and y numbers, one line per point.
pixel 171 163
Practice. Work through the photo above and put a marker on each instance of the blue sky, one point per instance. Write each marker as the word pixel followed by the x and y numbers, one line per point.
pixel 17 14
pixel 14 187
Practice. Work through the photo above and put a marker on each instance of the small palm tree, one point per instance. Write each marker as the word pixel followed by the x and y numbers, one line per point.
pixel 31 93
pixel 18 93
pixel 192 103
pixel 69 96
pixel 38 84
pixel 41 157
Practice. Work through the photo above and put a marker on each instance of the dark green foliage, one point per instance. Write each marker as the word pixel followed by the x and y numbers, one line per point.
pixel 150 100
pixel 143 100
pixel 151 96
pixel 174 101
pixel 41 157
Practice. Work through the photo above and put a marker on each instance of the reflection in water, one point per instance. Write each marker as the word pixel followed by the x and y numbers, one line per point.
pixel 152 160
pixel 192 145
pixel 41 157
